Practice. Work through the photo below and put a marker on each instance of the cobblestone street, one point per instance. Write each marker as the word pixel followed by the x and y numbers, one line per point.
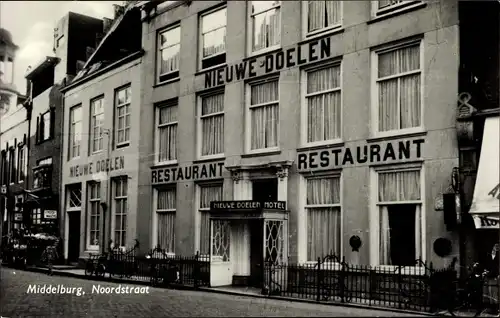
pixel 16 302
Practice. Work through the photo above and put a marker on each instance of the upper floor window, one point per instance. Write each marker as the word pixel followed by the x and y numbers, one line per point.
pixel 6 69
pixel 45 126
pixel 211 125
pixel 382 7
pixel 169 45
pixel 322 105
pixel 3 168
pixel 266 24
pixel 13 171
pixel 323 15
pixel 21 163
pixel 166 135
pixel 96 125
pixel 213 38
pixel 75 124
pixel 399 88
pixel 122 124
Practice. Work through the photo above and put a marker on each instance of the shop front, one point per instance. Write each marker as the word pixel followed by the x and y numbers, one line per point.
pixel 245 235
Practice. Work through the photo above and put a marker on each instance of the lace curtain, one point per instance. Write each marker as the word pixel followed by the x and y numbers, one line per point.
pixel 214 32
pixel 323 217
pixel 170 50
pixel 212 122
pixel 399 94
pixel 323 104
pixel 323 14
pixel 167 131
pixel 208 193
pixel 265 116
pixel 165 209
pixel 266 24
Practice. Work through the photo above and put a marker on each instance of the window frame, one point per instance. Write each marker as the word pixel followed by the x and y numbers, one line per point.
pixel 375 215
pixel 69 189
pixel 114 200
pixel 199 127
pixel 116 117
pixel 42 130
pixel 394 8
pixel 331 28
pixel 303 100
pixel 88 206
pixel 199 211
pixel 158 106
pixel 92 137
pixel 72 134
pixel 154 232
pixel 201 43
pixel 12 166
pixel 159 49
pixel 303 217
pixel 250 27
pixel 22 162
pixel 248 115
pixel 375 88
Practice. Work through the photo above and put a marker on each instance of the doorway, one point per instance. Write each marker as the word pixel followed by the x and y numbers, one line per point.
pixel 73 236
pixel 256 228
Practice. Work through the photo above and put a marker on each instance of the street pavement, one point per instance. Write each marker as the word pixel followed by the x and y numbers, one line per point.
pixel 17 301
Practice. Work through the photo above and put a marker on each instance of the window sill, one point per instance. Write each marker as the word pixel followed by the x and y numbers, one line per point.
pixel 164 164
pixel 209 158
pixel 322 34
pixel 322 145
pixel 397 135
pixel 266 51
pixel 173 80
pixel 261 153
pixel 211 68
pixel 397 11
pixel 97 153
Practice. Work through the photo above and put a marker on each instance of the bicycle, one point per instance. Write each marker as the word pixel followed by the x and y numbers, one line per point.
pixel 96 265
pixel 49 254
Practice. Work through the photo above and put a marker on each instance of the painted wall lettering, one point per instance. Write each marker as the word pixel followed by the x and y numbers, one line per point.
pixel 373 153
pixel 495 192
pixel 295 56
pixel 194 172
pixel 104 165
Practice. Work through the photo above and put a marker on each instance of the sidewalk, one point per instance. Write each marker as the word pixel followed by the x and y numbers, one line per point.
pixel 80 274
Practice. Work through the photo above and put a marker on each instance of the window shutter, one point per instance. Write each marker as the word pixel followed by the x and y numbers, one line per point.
pixel 37 133
pixel 52 122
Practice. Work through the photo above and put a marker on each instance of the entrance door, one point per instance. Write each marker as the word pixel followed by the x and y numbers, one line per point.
pixel 73 236
pixel 256 252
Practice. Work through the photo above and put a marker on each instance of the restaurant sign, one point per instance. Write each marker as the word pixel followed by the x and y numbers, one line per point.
pixel 186 173
pixel 102 165
pixel 228 206
pixel 383 152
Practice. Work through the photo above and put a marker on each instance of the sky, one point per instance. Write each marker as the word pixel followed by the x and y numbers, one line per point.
pixel 32 26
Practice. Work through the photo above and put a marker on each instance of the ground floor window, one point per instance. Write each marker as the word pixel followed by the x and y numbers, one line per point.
pixel 165 216
pixel 93 214
pixel 400 217
pixel 120 208
pixel 221 240
pixel 36 216
pixel 207 193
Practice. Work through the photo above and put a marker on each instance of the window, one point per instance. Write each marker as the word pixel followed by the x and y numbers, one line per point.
pixel 21 163
pixel 12 160
pixel 211 122
pixel 322 15
pixel 36 216
pixel 213 38
pixel 120 210
pixel 264 115
pixel 122 124
pixel 96 123
pixel 169 44
pixel 46 161
pixel 166 141
pixel 399 88
pixel 75 115
pixel 93 214
pixel 386 6
pixel 6 69
pixel 266 24
pixel 165 219
pixel 3 168
pixel 208 193
pixel 322 104
pixel 323 213
pixel 74 197
pixel 400 218
pixel 44 126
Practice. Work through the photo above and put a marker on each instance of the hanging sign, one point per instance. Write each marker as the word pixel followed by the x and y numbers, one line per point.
pixel 18 217
pixel 50 214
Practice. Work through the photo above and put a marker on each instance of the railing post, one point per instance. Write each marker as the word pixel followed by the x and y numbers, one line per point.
pixel 342 279
pixel 318 280
pixel 196 269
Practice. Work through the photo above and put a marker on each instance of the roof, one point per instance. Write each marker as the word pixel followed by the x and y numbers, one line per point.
pixel 44 64
pixel 6 36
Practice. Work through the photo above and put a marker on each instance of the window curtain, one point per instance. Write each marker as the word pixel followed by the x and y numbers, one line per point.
pixel 212 126
pixel 324 223
pixel 399 186
pixel 264 119
pixel 166 205
pixel 267 29
pixel 167 133
pixel 207 194
pixel 399 97
pixel 214 33
pixel 323 14
pixel 170 45
pixel 324 110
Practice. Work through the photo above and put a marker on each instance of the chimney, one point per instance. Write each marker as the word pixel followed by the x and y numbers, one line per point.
pixel 88 52
pixel 79 66
pixel 118 9
pixel 106 24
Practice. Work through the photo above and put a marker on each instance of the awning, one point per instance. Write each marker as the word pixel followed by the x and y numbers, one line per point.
pixel 485 207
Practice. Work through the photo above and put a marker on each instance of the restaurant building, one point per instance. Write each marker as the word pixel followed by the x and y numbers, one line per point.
pixel 99 186
pixel 316 123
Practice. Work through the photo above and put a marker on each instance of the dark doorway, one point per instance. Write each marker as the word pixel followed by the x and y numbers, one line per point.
pixel 256 252
pixel 402 234
pixel 73 236
pixel 265 190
